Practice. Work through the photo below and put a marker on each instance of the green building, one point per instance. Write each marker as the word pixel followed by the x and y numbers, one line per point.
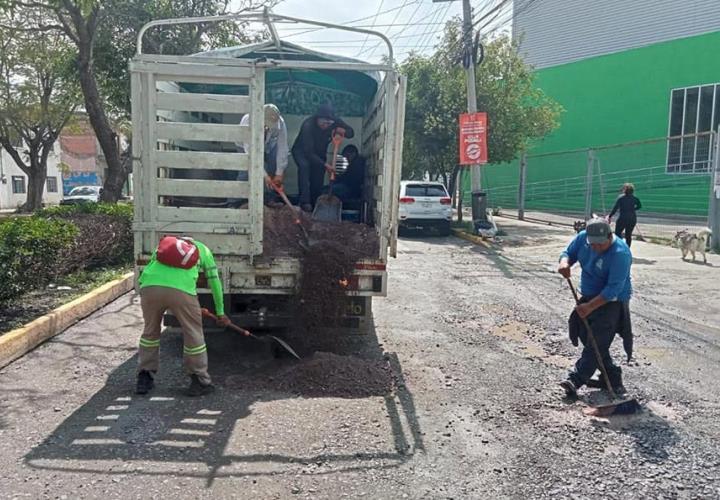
pixel 640 85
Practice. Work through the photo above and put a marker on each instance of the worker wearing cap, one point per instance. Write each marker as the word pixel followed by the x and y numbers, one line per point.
pixel 276 151
pixel 164 287
pixel 605 288
pixel 310 152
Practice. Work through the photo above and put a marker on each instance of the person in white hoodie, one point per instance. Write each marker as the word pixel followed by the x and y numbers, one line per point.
pixel 276 148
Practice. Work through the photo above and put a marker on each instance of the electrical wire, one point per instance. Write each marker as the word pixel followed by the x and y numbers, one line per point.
pixel 397 14
pixel 375 20
pixel 347 23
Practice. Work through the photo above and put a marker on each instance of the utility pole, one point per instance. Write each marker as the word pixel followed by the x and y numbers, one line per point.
pixel 470 81
pixel 470 78
pixel 714 208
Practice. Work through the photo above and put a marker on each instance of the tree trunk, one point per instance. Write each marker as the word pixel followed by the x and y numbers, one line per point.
pixel 116 173
pixel 37 175
pixel 452 187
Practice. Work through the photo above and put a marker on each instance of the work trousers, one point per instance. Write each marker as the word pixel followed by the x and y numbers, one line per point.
pixel 625 225
pixel 604 322
pixel 310 179
pixel 155 300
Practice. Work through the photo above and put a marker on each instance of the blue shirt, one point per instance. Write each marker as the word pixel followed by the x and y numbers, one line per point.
pixel 607 273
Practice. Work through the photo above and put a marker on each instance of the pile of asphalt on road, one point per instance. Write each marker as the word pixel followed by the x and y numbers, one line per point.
pixel 328 259
pixel 325 374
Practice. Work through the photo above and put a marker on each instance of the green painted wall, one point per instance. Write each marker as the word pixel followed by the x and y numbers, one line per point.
pixel 613 99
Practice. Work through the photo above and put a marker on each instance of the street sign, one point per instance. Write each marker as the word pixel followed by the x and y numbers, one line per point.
pixel 473 138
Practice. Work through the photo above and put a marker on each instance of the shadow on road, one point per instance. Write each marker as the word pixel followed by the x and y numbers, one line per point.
pixel 166 430
pixel 653 435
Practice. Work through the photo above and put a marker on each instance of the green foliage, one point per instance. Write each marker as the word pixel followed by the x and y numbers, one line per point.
pixel 29 250
pixel 105 235
pixel 58 241
pixel 116 40
pixel 122 210
pixel 518 112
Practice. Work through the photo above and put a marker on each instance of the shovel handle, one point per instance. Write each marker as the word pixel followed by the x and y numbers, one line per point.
pixel 208 314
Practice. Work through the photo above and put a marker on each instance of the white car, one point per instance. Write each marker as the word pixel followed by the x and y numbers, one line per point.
pixel 425 205
pixel 82 194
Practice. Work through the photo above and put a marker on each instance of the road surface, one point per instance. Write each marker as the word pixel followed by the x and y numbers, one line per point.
pixel 477 340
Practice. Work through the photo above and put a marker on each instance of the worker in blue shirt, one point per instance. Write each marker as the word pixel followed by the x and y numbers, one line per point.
pixel 606 290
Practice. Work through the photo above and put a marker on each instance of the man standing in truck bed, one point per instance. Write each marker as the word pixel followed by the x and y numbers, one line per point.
pixel 310 152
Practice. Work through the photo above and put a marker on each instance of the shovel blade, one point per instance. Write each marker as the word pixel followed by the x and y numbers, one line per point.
pixel 285 345
pixel 328 208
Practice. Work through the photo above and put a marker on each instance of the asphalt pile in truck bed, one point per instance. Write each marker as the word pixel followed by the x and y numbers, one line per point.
pixel 328 259
pixel 325 374
pixel 283 237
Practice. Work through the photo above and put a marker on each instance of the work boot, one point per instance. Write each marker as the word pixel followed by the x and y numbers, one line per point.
pixel 570 389
pixel 145 382
pixel 596 383
pixel 197 388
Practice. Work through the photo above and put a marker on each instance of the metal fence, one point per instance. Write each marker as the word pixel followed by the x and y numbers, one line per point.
pixel 672 178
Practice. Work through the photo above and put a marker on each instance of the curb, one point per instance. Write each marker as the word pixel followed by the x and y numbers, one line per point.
pixel 16 343
pixel 470 237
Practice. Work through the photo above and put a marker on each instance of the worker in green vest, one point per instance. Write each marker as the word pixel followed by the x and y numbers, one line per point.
pixel 169 282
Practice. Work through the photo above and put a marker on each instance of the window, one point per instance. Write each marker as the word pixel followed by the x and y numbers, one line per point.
pixel 425 190
pixel 18 184
pixel 694 115
pixel 52 186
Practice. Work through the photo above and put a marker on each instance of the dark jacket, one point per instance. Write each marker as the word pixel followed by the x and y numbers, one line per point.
pixel 312 142
pixel 627 204
pixel 624 327
pixel 354 177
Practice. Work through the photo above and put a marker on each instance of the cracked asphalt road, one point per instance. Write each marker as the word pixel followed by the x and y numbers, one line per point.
pixel 477 340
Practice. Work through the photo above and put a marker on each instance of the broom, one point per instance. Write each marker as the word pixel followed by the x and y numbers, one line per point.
pixel 616 406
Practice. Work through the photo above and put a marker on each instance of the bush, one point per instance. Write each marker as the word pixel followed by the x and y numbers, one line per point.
pixel 30 249
pixel 105 234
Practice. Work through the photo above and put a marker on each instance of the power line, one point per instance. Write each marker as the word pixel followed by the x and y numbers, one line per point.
pixel 397 14
pixel 375 20
pixel 426 35
pixel 433 13
pixel 346 23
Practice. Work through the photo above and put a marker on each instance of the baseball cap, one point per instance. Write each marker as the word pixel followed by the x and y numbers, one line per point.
pixel 597 231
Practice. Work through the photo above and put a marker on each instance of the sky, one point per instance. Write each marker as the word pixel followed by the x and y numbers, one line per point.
pixel 412 25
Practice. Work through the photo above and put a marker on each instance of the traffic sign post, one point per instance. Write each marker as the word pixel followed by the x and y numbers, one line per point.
pixel 473 139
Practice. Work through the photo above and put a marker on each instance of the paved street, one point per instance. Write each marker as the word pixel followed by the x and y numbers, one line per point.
pixel 477 340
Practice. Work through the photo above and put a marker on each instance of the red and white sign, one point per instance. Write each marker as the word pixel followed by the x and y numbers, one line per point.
pixel 473 138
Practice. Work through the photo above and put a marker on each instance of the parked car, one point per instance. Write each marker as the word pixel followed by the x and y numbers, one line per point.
pixel 82 194
pixel 425 205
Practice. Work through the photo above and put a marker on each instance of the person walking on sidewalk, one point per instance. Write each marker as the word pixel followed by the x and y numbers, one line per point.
pixel 169 282
pixel 605 286
pixel 627 204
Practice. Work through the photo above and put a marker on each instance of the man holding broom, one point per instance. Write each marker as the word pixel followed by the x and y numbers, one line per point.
pixel 605 303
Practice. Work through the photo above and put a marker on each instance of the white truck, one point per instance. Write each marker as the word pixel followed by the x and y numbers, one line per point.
pixel 186 112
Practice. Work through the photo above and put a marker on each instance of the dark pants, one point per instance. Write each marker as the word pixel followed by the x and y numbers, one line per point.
pixel 627 225
pixel 604 322
pixel 310 179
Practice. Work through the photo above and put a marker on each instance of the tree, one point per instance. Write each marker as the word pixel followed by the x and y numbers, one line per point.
pixel 94 27
pixel 38 98
pixel 518 112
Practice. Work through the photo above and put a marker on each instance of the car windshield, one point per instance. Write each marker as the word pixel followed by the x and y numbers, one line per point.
pixel 83 191
pixel 425 190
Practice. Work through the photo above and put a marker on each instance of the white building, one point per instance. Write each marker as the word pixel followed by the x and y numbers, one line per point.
pixel 14 182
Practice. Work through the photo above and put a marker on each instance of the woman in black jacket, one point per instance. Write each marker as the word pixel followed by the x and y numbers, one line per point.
pixel 627 204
